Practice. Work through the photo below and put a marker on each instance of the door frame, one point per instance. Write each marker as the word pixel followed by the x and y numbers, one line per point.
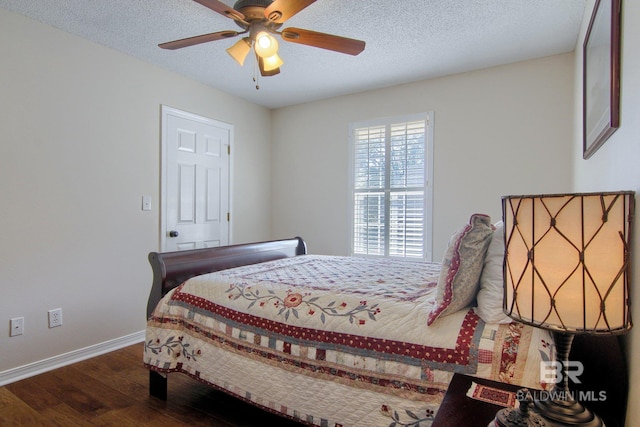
pixel 164 112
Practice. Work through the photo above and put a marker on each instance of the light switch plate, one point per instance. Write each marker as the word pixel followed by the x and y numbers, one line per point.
pixel 146 203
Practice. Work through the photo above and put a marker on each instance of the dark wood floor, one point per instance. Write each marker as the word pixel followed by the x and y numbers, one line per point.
pixel 112 390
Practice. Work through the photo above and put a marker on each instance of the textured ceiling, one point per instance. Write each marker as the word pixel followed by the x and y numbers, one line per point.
pixel 407 40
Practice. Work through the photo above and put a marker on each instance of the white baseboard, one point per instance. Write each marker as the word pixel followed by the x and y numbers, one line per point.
pixel 35 368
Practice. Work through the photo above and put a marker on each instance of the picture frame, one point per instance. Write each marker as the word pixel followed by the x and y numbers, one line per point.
pixel 601 76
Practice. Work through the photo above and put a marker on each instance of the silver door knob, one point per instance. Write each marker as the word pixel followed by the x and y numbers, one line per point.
pixel 173 233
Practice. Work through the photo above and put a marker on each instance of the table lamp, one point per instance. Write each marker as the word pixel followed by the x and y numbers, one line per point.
pixel 566 269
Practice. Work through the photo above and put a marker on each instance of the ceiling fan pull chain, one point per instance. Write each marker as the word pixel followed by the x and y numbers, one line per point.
pixel 255 75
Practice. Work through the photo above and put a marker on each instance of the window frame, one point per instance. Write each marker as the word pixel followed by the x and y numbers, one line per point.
pixel 428 118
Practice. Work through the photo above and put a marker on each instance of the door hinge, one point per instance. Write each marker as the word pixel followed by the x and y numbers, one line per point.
pixel 228 216
pixel 228 149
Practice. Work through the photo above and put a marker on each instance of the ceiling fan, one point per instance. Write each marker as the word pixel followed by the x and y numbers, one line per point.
pixel 260 20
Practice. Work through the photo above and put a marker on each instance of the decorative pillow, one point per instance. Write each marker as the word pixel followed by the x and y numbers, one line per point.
pixel 491 293
pixel 461 267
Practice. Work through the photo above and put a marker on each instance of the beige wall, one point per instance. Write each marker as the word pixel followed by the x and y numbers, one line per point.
pixel 615 166
pixel 79 147
pixel 498 131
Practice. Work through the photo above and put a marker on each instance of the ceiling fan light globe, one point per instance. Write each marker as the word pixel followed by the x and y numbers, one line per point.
pixel 272 62
pixel 239 51
pixel 265 45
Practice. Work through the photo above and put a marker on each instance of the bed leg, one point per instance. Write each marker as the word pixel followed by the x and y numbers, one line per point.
pixel 157 385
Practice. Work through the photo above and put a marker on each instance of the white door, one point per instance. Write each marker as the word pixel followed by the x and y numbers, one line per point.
pixel 195 182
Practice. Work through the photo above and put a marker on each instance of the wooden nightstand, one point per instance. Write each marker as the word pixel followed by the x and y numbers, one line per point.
pixel 458 410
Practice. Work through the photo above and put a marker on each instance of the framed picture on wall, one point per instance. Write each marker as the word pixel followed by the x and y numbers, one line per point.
pixel 601 76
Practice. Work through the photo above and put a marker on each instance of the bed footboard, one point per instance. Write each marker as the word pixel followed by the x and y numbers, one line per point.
pixel 170 269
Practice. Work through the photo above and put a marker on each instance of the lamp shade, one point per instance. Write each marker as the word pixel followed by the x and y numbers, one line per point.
pixel 240 50
pixel 567 261
pixel 272 63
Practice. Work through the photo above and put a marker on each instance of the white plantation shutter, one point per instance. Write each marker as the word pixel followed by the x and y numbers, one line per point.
pixel 390 163
pixel 369 198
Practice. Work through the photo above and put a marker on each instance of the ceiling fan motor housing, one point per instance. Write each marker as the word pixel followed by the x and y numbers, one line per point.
pixel 240 4
pixel 253 11
pixel 243 3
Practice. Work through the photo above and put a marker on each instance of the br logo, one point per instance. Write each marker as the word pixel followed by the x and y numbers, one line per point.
pixel 553 372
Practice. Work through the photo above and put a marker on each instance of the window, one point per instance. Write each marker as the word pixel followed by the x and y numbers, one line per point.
pixel 391 164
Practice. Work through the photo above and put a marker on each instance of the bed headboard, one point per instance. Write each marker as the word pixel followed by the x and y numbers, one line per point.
pixel 170 269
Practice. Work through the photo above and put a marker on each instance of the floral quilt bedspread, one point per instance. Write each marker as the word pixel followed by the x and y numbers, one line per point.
pixel 333 341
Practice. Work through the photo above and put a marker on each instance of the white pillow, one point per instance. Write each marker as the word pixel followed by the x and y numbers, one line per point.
pixel 491 293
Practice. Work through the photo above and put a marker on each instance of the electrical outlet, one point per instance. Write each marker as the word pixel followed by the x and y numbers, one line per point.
pixel 55 317
pixel 17 326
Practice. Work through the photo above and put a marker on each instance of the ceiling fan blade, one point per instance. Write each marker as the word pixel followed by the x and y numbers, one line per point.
pixel 223 9
pixel 281 10
pixel 323 40
pixel 204 38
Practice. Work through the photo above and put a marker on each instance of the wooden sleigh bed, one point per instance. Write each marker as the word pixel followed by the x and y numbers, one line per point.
pixel 326 356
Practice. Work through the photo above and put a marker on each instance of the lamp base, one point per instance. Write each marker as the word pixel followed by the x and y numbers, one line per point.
pixel 566 413
pixel 559 408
